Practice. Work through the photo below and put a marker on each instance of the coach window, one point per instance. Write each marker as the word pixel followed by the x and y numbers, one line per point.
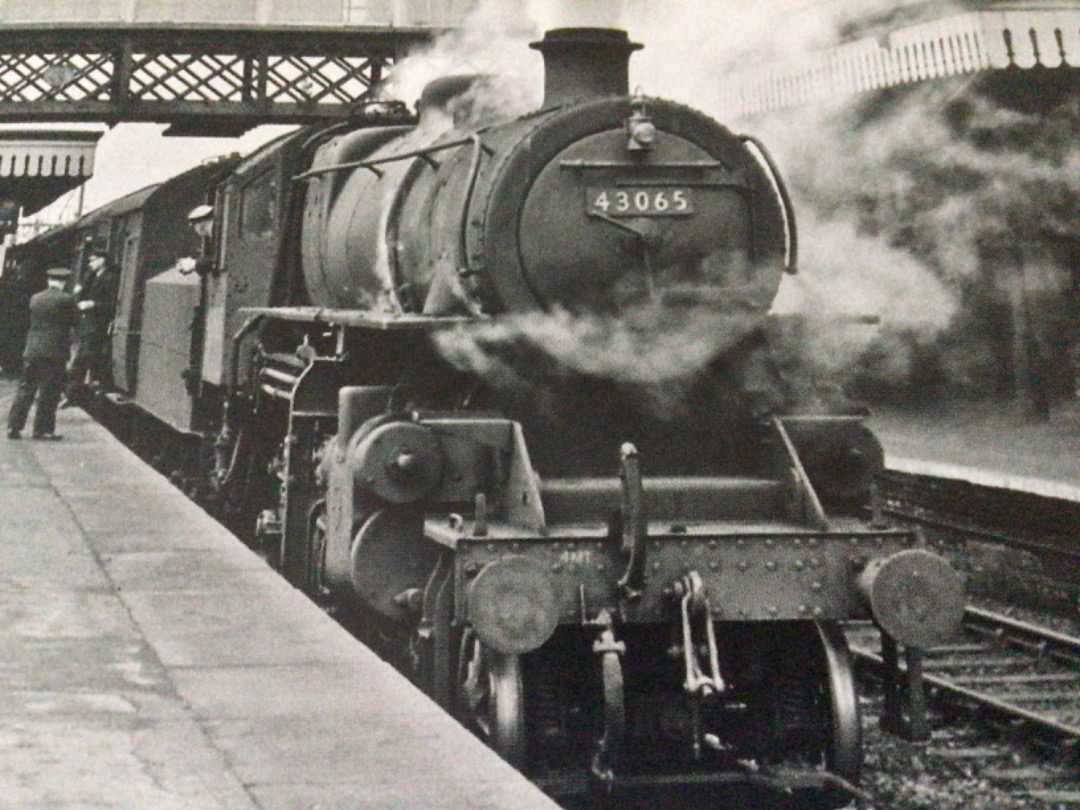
pixel 258 206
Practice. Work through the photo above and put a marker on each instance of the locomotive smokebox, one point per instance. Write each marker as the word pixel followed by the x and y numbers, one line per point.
pixel 585 63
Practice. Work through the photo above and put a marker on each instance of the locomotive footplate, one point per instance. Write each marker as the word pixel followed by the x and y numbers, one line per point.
pixel 748 576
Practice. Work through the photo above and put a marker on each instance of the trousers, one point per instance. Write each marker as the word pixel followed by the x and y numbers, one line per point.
pixel 44 379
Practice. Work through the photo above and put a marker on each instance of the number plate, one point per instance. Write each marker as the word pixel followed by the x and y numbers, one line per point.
pixel 649 201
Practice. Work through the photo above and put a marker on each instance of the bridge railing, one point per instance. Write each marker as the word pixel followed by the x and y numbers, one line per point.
pixel 204 77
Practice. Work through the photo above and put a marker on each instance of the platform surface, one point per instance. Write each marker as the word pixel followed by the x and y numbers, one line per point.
pixel 990 443
pixel 149 661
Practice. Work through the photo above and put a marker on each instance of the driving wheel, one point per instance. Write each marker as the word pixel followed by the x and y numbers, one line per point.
pixel 490 697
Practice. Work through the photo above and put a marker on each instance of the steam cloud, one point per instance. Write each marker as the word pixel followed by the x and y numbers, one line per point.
pixel 834 160
pixel 646 345
pixel 849 279
pixel 964 189
pixel 844 272
pixel 493 42
pixel 657 350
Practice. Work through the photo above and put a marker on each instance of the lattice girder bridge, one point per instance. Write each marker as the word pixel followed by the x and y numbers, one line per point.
pixel 201 81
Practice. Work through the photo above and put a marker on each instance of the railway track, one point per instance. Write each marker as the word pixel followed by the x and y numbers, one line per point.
pixel 1004 669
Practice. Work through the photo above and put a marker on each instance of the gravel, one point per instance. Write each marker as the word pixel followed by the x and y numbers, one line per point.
pixel 963 767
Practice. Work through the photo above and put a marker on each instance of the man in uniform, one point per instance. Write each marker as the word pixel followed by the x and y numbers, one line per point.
pixel 48 345
pixel 95 298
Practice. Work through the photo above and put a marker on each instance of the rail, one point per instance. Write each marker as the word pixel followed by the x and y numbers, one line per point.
pixel 1009 669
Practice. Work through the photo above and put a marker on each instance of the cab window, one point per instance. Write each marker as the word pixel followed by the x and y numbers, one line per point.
pixel 258 206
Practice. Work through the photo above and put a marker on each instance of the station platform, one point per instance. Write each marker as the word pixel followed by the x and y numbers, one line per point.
pixel 993 444
pixel 148 660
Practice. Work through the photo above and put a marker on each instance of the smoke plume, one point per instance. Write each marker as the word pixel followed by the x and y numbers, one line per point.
pixel 950 206
pixel 493 42
pixel 982 197
pixel 896 204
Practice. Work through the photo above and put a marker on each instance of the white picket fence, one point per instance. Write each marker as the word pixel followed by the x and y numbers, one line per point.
pixel 957 44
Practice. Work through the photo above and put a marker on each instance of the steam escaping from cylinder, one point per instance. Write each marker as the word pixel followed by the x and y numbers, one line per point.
pixel 657 351
pixel 854 304
pixel 981 197
pixel 856 279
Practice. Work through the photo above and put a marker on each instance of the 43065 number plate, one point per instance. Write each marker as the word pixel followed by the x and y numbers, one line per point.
pixel 630 201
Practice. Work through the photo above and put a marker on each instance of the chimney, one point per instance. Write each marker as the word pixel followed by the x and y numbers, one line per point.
pixel 585 63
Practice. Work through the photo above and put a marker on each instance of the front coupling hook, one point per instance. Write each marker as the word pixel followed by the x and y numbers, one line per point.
pixel 695 605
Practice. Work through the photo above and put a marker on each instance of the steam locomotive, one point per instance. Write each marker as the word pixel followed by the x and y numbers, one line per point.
pixel 504 390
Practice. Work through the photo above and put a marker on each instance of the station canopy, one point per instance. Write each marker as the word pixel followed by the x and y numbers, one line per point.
pixel 39 166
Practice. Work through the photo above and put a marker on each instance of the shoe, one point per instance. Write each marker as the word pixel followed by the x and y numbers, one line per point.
pixel 14 435
pixel 47 437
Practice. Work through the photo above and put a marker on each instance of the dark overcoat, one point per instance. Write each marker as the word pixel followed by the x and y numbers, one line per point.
pixel 52 315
